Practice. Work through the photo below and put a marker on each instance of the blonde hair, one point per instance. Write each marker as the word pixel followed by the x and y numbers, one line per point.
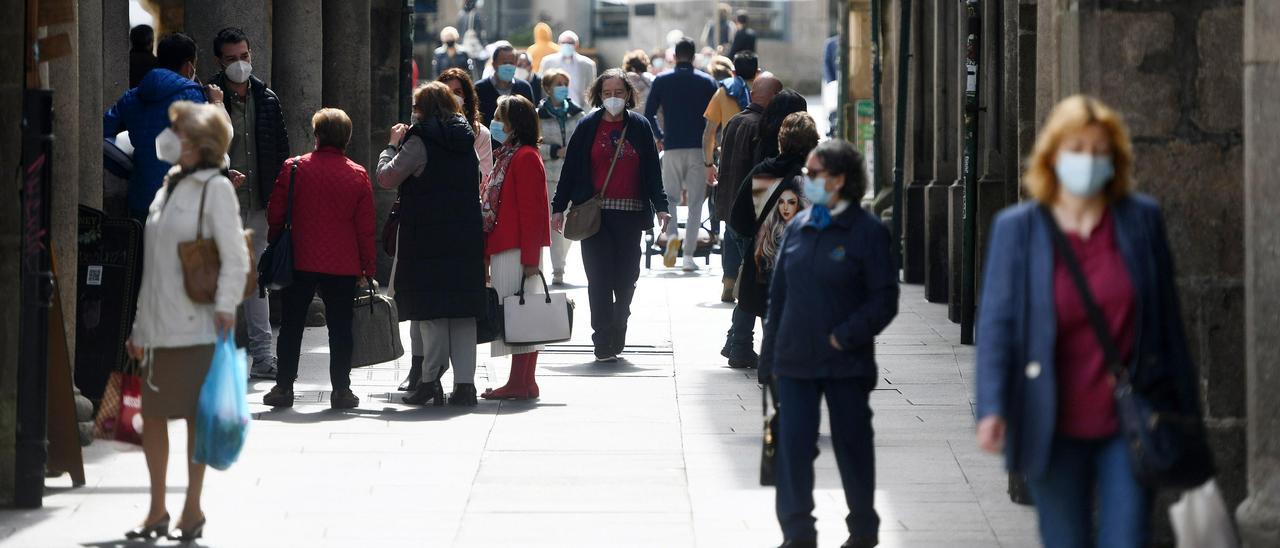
pixel 1074 114
pixel 332 128
pixel 720 67
pixel 205 127
pixel 548 79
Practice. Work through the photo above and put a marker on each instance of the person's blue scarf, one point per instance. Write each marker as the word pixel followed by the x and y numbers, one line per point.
pixel 738 90
pixel 819 216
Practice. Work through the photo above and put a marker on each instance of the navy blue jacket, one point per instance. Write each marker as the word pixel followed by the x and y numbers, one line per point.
pixel 1017 325
pixel 576 185
pixel 836 281
pixel 683 93
pixel 487 93
pixel 144 112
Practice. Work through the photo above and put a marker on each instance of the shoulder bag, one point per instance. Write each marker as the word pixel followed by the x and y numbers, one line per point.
pixel 275 270
pixel 201 263
pixel 375 334
pixel 769 441
pixel 1167 446
pixel 582 221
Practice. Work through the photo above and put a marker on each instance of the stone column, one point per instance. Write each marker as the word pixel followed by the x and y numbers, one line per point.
pixel 384 66
pixel 298 67
pixel 944 150
pixel 64 80
pixel 1026 91
pixel 202 20
pixel 12 57
pixel 996 143
pixel 955 191
pixel 115 50
pixel 1259 515
pixel 346 69
pixel 919 141
pixel 90 103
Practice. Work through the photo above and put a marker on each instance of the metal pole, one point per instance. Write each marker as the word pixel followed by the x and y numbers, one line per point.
pixel 900 128
pixel 968 267
pixel 406 61
pixel 842 88
pixel 876 74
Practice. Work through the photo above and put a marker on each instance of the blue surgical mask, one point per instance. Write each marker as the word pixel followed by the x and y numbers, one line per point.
pixel 506 73
pixel 499 131
pixel 815 190
pixel 560 92
pixel 1083 174
pixel 568 50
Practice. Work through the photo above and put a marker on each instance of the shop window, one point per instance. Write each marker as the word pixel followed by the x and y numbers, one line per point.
pixel 610 19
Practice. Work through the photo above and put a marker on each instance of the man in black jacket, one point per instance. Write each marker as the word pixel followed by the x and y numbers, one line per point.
pixel 744 39
pixel 259 148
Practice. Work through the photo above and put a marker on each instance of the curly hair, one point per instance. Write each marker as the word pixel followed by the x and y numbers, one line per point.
pixel 596 94
pixel 470 101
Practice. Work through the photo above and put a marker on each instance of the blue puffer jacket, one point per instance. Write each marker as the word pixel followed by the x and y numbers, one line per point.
pixel 144 112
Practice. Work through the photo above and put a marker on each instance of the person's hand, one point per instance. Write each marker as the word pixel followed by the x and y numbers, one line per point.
pixel 659 144
pixel 557 222
pixel 214 93
pixel 224 322
pixel 531 270
pixel 835 343
pixel 237 178
pixel 133 350
pixel 663 219
pixel 363 282
pixel 991 434
pixel 397 134
pixel 712 175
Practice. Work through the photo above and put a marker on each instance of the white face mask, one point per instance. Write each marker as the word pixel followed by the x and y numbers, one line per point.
pixel 462 103
pixel 615 105
pixel 522 74
pixel 239 71
pixel 168 146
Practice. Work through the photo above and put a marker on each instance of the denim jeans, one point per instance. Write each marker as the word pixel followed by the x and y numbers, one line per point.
pixel 1079 471
pixel 730 253
pixel 743 324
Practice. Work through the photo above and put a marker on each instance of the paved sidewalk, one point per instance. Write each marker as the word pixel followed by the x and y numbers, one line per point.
pixel 660 450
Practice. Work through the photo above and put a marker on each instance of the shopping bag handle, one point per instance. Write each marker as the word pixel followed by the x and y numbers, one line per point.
pixel 372 289
pixel 545 289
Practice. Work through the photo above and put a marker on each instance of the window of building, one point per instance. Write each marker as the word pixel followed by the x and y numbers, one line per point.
pixel 610 19
pixel 769 18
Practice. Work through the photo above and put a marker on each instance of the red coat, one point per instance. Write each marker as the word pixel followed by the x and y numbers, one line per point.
pixel 524 220
pixel 332 214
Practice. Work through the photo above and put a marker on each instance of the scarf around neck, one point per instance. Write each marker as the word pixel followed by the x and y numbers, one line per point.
pixel 491 194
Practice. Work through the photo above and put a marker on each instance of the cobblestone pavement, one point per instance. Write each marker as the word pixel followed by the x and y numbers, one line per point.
pixel 661 449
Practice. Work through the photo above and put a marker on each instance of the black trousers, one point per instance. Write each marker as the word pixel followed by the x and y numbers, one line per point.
pixel 612 262
pixel 338 294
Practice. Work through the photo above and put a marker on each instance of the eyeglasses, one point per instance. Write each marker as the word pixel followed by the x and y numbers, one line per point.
pixel 811 173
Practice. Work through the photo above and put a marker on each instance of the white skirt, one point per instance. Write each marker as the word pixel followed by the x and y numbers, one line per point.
pixel 505 273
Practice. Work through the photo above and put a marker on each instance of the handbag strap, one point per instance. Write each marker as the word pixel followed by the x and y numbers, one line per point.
pixel 617 151
pixel 200 216
pixel 1094 313
pixel 288 208
pixel 545 289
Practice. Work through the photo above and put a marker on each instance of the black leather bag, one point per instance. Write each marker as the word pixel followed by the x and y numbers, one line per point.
pixel 769 441
pixel 1168 447
pixel 275 268
pixel 489 328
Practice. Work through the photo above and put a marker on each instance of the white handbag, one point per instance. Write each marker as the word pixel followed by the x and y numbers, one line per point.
pixel 537 319
pixel 1200 519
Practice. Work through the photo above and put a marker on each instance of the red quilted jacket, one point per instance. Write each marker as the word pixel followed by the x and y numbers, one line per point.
pixel 332 214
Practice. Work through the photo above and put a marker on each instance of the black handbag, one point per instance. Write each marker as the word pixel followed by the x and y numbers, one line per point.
pixel 275 268
pixel 769 445
pixel 1168 447
pixel 489 328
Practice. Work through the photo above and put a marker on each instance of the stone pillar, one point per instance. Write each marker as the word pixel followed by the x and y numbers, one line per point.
pixel 115 50
pixel 384 66
pixel 1259 515
pixel 944 149
pixel 955 191
pixel 64 80
pixel 202 21
pixel 90 103
pixel 998 120
pixel 298 67
pixel 919 142
pixel 1026 91
pixel 12 57
pixel 346 69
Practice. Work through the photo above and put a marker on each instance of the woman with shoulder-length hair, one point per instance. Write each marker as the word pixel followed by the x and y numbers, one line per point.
pixel 560 117
pixel 439 277
pixel 172 336
pixel 517 224
pixel 633 196
pixel 1044 389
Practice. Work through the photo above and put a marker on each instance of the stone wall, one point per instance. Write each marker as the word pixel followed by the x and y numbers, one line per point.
pixel 11 85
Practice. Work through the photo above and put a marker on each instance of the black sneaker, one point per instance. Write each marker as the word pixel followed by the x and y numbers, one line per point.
pixel 743 358
pixel 861 542
pixel 343 399
pixel 278 397
pixel 264 369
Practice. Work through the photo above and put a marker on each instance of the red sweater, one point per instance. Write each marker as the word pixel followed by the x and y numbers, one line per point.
pixel 1086 405
pixel 332 214
pixel 625 183
pixel 523 219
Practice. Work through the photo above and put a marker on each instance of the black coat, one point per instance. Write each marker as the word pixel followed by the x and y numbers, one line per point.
pixel 576 185
pixel 269 132
pixel 440 269
pixel 743 40
pixel 487 93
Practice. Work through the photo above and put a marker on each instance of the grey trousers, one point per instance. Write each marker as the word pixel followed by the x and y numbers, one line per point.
pixel 257 311
pixel 444 340
pixel 684 170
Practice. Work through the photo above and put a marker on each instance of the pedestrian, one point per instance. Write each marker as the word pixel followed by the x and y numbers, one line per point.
pixel 332 224
pixel 559 117
pixel 682 95
pixel 142 40
pixel 636 65
pixel 172 336
pixel 634 195
pixel 1044 389
pixel 503 82
pixel 744 39
pixel 259 148
pixel 834 289
pixel 517 226
pixel 542 46
pixel 450 55
pixel 758 198
pixel 470 20
pixel 830 81
pixel 720 68
pixel 718 31
pixel 785 103
pixel 524 71
pixel 439 272
pixel 736 153
pixel 581 69
pixel 143 112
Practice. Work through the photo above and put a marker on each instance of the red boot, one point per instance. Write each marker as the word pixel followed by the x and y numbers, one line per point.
pixel 529 381
pixel 516 388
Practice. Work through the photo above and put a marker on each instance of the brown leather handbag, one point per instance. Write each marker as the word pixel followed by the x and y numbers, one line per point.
pixel 582 221
pixel 201 264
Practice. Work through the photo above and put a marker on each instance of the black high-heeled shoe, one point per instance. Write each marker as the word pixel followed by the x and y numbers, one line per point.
pixel 189 534
pixel 147 532
pixel 464 395
pixel 414 378
pixel 426 393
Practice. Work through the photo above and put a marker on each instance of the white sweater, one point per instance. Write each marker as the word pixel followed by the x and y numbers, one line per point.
pixel 166 317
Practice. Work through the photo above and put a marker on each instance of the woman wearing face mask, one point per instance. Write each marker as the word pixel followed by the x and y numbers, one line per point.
pixel 1044 389
pixel 633 195
pixel 439 271
pixel 834 289
pixel 636 65
pixel 560 117
pixel 517 225
pixel 173 337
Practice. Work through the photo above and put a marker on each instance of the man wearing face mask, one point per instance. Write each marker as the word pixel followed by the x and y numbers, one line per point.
pixel 449 54
pixel 524 71
pixel 259 146
pixel 581 69
pixel 503 82
pixel 144 112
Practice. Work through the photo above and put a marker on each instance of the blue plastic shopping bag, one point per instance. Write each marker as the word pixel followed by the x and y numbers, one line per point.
pixel 222 418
